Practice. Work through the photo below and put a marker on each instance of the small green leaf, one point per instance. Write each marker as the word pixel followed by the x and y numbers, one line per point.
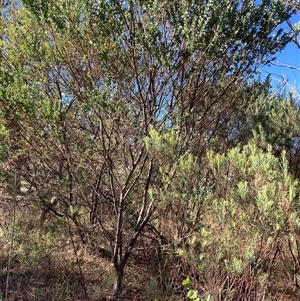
pixel 192 294
pixel 187 281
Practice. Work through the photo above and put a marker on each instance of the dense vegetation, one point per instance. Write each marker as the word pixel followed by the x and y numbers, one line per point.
pixel 142 157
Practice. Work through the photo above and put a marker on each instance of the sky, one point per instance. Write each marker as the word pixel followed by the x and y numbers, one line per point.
pixel 289 56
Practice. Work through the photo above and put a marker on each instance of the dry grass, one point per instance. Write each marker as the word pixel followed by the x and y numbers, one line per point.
pixel 45 266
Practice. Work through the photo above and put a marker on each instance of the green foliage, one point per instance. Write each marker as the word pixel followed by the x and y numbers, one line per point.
pixel 112 105
pixel 187 282
pixel 193 294
pixel 249 209
pixel 3 142
pixel 256 180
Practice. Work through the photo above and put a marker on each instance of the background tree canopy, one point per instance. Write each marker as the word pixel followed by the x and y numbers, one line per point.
pixel 140 129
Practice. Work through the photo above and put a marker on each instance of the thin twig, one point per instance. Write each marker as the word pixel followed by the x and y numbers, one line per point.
pixel 82 278
pixel 12 236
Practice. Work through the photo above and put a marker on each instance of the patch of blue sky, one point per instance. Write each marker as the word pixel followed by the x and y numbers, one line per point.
pixel 285 71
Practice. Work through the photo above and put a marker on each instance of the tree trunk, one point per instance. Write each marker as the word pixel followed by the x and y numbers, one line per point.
pixel 118 282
